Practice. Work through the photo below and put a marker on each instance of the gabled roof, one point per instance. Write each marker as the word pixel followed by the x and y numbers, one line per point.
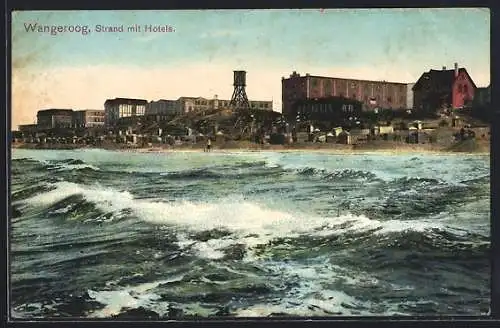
pixel 441 77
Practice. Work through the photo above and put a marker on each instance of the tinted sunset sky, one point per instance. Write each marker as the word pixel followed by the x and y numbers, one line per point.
pixel 72 70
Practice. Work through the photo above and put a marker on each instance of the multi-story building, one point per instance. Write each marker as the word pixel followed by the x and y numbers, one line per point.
pixel 54 118
pixel 188 104
pixel 88 118
pixel 444 88
pixel 161 107
pixel 115 109
pixel 371 93
pixel 28 129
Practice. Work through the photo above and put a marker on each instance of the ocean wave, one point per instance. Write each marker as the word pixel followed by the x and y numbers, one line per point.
pixel 336 174
pixel 241 221
pixel 193 174
pixel 53 165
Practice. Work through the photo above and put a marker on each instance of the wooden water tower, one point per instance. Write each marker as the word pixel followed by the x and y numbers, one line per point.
pixel 239 98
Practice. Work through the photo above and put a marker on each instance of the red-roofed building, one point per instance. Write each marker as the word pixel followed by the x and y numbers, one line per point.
pixel 436 89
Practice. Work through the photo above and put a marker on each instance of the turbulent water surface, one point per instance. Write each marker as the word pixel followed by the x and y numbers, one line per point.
pixel 107 234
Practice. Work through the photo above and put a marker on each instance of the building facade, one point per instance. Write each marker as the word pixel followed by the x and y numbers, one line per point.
pixel 28 129
pixel 189 104
pixel 88 118
pixel 482 96
pixel 161 107
pixel 444 88
pixel 54 118
pixel 371 94
pixel 115 109
pixel 333 109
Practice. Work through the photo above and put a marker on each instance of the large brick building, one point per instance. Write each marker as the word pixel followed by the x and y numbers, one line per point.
pixel 371 93
pixel 436 89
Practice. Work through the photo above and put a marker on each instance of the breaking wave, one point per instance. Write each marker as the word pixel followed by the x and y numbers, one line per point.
pixel 189 236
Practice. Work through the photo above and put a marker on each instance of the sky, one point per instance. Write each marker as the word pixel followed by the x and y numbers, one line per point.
pixel 197 57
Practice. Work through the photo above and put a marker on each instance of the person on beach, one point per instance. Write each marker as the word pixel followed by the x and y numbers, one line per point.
pixel 209 144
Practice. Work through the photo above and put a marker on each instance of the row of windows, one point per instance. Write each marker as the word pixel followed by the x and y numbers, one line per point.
pixel 325 108
pixel 328 84
pixel 95 119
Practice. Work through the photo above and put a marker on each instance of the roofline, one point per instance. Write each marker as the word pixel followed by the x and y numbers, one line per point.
pixel 55 109
pixel 344 78
pixel 463 69
pixel 126 99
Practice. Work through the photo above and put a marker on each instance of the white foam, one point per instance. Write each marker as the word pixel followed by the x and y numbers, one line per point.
pixel 251 223
pixel 128 297
pixel 71 167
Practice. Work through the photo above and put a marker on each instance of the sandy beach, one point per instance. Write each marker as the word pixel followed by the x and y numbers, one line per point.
pixel 465 147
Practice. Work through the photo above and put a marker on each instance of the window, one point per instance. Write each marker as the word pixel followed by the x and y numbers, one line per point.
pixel 465 88
pixel 389 99
pixel 353 96
pixel 460 88
pixel 328 85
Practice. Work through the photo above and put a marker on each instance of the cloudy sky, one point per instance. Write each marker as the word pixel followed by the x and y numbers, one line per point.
pixel 80 71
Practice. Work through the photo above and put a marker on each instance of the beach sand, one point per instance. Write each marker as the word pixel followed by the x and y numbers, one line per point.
pixel 469 146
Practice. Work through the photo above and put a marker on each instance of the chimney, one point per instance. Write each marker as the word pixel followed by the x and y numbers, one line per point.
pixel 456 70
pixel 444 68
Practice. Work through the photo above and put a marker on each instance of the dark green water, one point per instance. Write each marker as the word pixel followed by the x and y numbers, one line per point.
pixel 137 235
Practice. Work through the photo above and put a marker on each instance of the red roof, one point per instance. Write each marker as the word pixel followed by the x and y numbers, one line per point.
pixel 443 78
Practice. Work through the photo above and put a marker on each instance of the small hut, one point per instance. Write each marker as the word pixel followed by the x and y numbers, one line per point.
pixel 220 137
pixel 330 137
pixel 344 137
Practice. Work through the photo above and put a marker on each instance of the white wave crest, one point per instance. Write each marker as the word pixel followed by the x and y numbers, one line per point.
pixel 249 223
pixel 129 297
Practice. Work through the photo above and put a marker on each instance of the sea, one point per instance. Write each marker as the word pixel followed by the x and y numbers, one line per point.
pixel 190 235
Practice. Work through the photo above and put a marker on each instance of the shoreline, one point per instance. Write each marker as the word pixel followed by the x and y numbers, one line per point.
pixel 390 149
